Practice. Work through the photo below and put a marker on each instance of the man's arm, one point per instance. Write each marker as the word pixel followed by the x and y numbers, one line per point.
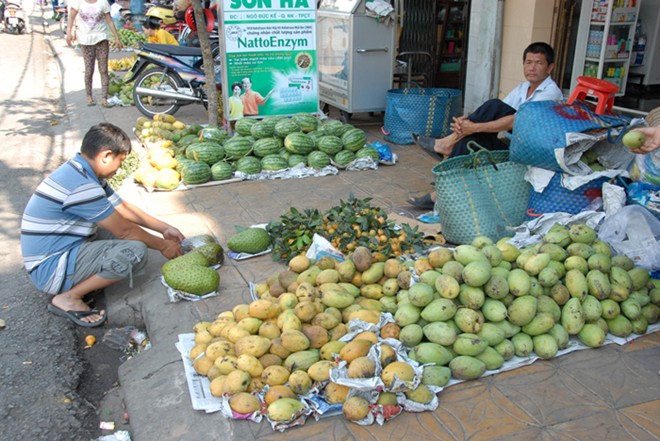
pixel 136 215
pixel 124 229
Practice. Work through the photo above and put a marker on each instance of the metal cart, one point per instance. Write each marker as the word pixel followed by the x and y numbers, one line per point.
pixel 355 54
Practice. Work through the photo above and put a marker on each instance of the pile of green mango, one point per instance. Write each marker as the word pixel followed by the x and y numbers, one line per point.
pixel 479 305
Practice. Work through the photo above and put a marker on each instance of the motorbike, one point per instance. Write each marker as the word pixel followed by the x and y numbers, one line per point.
pixel 168 77
pixel 62 17
pixel 13 17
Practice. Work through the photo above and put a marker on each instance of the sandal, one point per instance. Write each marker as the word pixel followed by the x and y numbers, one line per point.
pixel 427 145
pixel 106 104
pixel 77 316
pixel 423 202
pixel 91 102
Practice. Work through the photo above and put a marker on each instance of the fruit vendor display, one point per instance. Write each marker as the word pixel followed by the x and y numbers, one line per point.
pixel 160 167
pixel 352 223
pixel 121 89
pixel 129 38
pixel 467 311
pixel 121 64
pixel 272 144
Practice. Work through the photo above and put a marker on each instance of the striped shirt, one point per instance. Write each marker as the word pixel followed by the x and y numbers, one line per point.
pixel 61 215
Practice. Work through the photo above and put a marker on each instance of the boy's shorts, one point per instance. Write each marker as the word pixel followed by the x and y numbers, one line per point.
pixel 111 259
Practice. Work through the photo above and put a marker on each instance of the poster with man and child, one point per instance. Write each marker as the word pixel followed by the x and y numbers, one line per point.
pixel 270 57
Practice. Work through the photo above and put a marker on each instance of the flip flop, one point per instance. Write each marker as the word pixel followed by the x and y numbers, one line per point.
pixel 423 202
pixel 76 316
pixel 427 145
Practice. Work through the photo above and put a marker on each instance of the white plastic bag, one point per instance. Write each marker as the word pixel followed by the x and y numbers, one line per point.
pixel 634 232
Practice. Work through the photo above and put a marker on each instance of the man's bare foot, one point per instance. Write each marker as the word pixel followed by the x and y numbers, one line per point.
pixel 444 146
pixel 71 303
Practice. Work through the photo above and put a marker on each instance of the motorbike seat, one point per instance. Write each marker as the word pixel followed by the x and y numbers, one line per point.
pixel 173 49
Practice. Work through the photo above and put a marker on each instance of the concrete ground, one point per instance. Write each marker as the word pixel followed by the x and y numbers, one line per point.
pixel 610 393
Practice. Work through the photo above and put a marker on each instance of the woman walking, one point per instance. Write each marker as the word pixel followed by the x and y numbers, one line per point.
pixel 93 25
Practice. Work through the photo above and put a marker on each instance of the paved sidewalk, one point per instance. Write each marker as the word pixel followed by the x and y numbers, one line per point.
pixel 611 393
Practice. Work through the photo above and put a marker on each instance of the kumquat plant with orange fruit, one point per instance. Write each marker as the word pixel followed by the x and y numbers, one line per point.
pixel 352 223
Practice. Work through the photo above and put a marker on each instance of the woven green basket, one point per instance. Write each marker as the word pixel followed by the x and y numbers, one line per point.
pixel 480 194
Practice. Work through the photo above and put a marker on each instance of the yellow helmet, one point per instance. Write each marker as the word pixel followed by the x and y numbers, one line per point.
pixel 163 14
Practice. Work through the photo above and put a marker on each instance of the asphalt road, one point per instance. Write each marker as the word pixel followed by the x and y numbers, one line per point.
pixel 42 365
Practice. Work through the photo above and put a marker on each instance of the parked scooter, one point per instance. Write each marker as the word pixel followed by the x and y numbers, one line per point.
pixel 168 77
pixel 62 12
pixel 13 17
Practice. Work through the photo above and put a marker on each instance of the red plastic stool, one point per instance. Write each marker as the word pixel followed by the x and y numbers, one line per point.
pixel 601 89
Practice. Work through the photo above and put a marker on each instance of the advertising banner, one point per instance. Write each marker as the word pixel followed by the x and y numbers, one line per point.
pixel 270 57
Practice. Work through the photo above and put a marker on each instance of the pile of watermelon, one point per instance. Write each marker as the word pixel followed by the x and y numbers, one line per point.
pixel 273 143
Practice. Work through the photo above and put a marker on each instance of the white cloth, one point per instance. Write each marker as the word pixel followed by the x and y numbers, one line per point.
pixel 115 11
pixel 92 27
pixel 548 90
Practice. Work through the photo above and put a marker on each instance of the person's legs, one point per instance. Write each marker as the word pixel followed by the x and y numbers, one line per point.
pixel 99 264
pixel 89 55
pixel 454 145
pixel 102 52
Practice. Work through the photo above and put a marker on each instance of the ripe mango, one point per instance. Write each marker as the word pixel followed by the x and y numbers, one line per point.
pixel 244 403
pixel 253 345
pixel 300 382
pixel 320 371
pixel 284 409
pixel 399 370
pixel 355 408
pixel 354 349
pixel 335 393
pixel 274 393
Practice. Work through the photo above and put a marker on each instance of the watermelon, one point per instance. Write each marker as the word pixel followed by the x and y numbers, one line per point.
pixel 274 162
pixel 316 134
pixel 307 122
pixel 299 143
pixel 195 172
pixel 367 152
pixel 329 144
pixel 343 158
pixel 332 127
pixel 244 126
pixel 209 152
pixel 238 147
pixel 265 146
pixel 354 139
pixel 285 127
pixel 187 140
pixel 248 165
pixel 213 133
pixel 262 130
pixel 221 170
pixel 296 159
pixel 318 159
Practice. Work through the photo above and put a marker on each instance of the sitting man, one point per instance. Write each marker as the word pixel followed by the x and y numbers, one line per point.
pixel 64 251
pixel 494 115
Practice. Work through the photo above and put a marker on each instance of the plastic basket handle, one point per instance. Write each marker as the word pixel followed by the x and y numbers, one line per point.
pixel 476 149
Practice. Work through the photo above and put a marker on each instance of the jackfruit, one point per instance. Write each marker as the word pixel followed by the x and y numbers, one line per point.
pixel 193 279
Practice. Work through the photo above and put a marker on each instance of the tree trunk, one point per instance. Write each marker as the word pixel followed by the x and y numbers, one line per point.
pixel 207 57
